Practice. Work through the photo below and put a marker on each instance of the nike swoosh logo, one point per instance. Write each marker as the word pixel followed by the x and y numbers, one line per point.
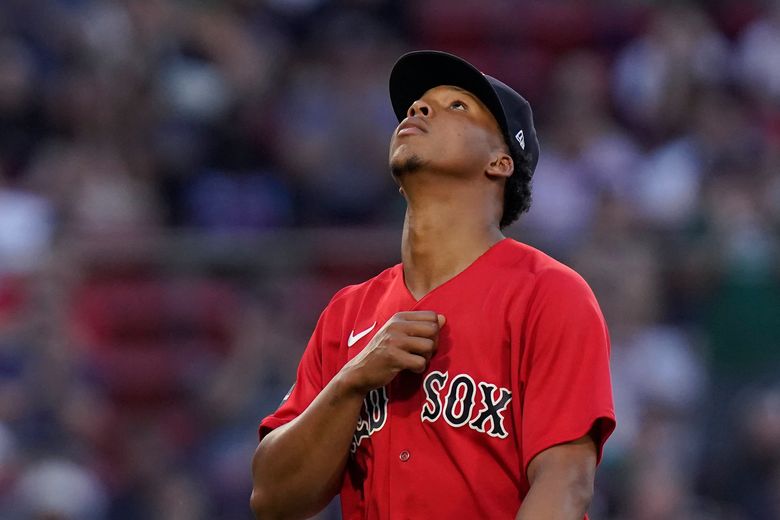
pixel 354 338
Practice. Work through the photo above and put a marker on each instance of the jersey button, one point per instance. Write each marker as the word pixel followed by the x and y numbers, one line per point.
pixel 404 456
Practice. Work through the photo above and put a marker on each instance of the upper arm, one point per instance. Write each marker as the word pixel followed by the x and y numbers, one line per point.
pixel 310 377
pixel 565 374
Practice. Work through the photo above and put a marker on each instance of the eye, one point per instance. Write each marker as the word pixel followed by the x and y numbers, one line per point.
pixel 458 105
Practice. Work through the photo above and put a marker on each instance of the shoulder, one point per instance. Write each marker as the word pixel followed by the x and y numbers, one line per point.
pixel 358 292
pixel 549 278
pixel 340 312
pixel 544 269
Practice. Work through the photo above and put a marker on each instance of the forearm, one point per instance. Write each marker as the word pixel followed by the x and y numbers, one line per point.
pixel 555 499
pixel 561 479
pixel 298 467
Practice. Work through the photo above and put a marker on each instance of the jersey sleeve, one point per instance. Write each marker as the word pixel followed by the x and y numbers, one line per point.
pixel 309 379
pixel 565 367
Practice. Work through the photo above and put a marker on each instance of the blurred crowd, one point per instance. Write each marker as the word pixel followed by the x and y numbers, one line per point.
pixel 179 180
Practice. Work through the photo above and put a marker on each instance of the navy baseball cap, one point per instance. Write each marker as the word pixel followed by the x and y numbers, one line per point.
pixel 416 72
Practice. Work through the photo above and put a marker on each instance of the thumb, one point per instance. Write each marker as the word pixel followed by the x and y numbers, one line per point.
pixel 441 319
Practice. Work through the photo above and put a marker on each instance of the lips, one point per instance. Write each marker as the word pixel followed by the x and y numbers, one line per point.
pixel 411 126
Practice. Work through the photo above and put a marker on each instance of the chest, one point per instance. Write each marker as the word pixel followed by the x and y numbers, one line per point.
pixel 478 342
pixel 466 391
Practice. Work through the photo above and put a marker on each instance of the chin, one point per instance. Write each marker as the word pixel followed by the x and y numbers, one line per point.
pixel 400 166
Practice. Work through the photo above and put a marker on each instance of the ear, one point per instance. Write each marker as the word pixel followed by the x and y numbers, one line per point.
pixel 501 165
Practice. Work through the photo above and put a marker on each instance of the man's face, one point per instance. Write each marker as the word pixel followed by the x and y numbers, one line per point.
pixel 447 129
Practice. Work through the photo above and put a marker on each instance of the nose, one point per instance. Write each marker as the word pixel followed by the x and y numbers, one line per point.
pixel 419 108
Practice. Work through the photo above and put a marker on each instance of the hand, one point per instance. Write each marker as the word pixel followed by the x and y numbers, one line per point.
pixel 406 342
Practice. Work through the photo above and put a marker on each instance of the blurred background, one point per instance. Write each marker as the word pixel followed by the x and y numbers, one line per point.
pixel 183 184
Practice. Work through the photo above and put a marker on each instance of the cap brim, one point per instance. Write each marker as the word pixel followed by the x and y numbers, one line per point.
pixel 417 72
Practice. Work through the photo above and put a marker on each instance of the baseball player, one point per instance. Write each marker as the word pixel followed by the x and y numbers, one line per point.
pixel 469 381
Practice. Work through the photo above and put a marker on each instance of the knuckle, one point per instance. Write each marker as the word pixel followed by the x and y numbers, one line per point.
pixel 398 317
pixel 431 315
pixel 395 325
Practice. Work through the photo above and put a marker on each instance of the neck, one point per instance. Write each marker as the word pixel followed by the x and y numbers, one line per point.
pixel 443 234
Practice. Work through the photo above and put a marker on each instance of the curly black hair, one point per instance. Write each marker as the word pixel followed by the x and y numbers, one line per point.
pixel 517 190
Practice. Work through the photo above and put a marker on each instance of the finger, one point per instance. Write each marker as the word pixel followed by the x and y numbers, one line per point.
pixel 420 346
pixel 413 362
pixel 423 329
pixel 441 319
pixel 416 316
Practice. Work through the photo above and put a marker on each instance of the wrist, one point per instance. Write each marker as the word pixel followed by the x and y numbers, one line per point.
pixel 348 386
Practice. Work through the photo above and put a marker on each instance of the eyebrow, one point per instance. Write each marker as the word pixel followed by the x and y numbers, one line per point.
pixel 460 90
pixel 479 102
pixel 463 91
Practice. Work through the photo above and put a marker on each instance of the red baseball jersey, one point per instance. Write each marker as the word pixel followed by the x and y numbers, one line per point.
pixel 522 365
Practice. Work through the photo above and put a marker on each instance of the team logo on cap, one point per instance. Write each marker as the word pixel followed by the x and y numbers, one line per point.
pixel 520 139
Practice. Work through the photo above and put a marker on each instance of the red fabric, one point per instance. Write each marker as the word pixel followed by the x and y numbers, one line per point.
pixel 522 330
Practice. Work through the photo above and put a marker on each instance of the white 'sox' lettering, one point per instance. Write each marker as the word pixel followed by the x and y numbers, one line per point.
pixel 457 403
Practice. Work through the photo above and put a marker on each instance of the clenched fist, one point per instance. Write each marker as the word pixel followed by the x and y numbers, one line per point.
pixel 405 342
